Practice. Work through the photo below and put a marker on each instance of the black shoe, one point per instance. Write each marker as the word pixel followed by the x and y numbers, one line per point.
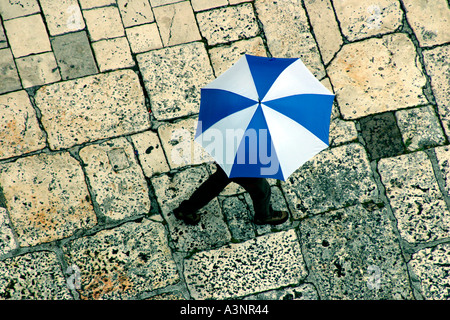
pixel 190 219
pixel 277 217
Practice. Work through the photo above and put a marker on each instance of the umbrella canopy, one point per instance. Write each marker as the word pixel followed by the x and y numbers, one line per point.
pixel 264 117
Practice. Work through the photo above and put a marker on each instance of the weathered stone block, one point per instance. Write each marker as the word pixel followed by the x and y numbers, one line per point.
pixel 200 5
pixel 377 75
pixel 327 34
pixel 178 142
pixel 443 158
pixel 429 20
pixel 7 241
pixel 74 55
pixel 38 69
pixel 438 68
pixel 335 178
pixel 176 23
pixel 8 72
pixel 117 181
pixel 228 24
pixel 33 276
pixel 46 197
pixel 62 16
pixel 150 153
pixel 431 268
pixel 104 23
pixel 14 9
pixel 113 54
pixel 144 38
pixel 287 32
pixel 414 195
pixel 135 12
pixel 420 128
pixel 19 128
pixel 238 217
pixel 362 19
pixel 124 262
pixel 173 79
pixel 170 190
pixel 96 107
pixel 354 254
pixel 237 270
pixel 381 135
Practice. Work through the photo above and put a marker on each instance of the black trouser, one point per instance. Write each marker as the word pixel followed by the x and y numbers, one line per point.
pixel 258 188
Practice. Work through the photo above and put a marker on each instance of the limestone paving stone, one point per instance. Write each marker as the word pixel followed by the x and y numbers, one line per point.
pixel 429 20
pixel 124 262
pixel 200 5
pixel 438 68
pixel 74 55
pixel 327 34
pixel 223 57
pixel 116 179
pixel 228 24
pixel 334 178
pixel 287 31
pixel 3 39
pixel 176 23
pixel 144 38
pixel 420 128
pixel 104 23
pixel 27 35
pixel 377 75
pixel 7 240
pixel 343 248
pixel 157 3
pixel 443 159
pixel 303 292
pixel 62 16
pixel 179 146
pixel 430 267
pixel 46 197
pixel 362 19
pixel 135 12
pixel 415 198
pixel 10 9
pixel 33 276
pixel 38 69
pixel 20 132
pixel 113 54
pixel 89 4
pixel 381 135
pixel 238 217
pixel 150 153
pixel 342 131
pixel 8 72
pixel 92 108
pixel 240 269
pixel 170 191
pixel 173 80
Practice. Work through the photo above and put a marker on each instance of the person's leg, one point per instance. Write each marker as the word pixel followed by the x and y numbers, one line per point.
pixel 207 191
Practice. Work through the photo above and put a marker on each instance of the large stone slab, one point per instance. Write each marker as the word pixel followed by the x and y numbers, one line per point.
pixel 377 75
pixel 414 195
pixel 261 264
pixel 19 128
pixel 363 19
pixel 33 276
pixel 354 254
pixel 335 178
pixel 46 197
pixel 118 183
pixel 173 79
pixel 228 24
pixel 124 262
pixel 429 20
pixel 286 28
pixel 430 268
pixel 170 190
pixel 438 68
pixel 92 108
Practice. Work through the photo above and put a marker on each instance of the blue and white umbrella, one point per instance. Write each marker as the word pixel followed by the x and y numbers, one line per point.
pixel 264 117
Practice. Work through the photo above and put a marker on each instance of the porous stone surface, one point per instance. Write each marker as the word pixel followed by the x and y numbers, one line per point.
pixel 236 269
pixel 46 197
pixel 7 241
pixel 92 108
pixel 377 75
pixel 124 262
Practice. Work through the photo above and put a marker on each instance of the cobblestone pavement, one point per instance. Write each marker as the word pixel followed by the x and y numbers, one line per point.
pixel 98 106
